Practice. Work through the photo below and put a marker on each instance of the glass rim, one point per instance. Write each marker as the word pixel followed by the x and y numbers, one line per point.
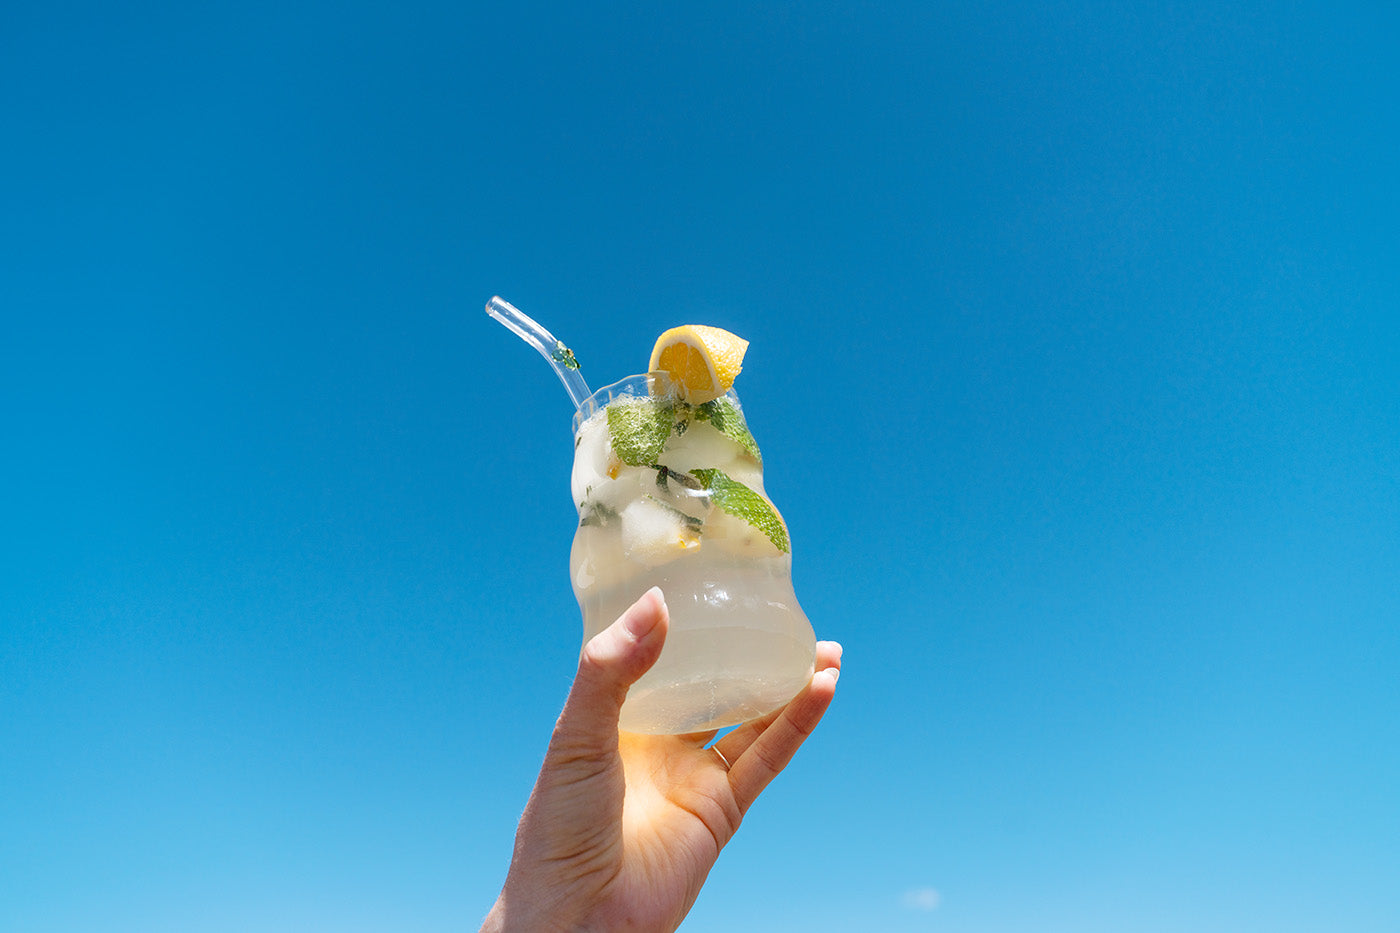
pixel 654 384
pixel 641 385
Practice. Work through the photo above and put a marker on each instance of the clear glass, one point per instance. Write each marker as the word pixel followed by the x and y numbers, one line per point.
pixel 671 495
pixel 559 357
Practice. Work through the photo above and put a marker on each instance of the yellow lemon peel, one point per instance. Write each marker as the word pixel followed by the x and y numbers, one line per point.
pixel 703 361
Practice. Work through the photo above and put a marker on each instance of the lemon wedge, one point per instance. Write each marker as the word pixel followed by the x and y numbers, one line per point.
pixel 702 360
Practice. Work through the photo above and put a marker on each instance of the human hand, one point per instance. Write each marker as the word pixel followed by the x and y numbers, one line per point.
pixel 621 830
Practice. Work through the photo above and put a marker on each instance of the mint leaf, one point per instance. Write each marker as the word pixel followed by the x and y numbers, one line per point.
pixel 597 514
pixel 691 521
pixel 729 421
pixel 564 355
pixel 639 430
pixel 665 474
pixel 739 500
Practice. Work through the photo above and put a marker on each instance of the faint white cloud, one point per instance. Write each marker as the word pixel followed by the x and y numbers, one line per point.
pixel 921 898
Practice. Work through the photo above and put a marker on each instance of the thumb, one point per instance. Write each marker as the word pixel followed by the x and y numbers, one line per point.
pixel 611 662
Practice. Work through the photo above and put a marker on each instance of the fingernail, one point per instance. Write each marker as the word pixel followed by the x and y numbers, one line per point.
pixel 835 673
pixel 640 623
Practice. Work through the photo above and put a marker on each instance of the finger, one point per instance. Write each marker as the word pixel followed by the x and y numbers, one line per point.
pixel 610 663
pixel 773 749
pixel 733 745
pixel 829 655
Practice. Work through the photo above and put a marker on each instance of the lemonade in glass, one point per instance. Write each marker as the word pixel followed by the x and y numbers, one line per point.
pixel 668 482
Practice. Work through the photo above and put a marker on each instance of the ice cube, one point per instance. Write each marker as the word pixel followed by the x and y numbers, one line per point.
pixel 700 446
pixel 654 534
pixel 593 458
pixel 746 470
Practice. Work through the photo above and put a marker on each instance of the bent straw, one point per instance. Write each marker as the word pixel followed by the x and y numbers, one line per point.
pixel 560 358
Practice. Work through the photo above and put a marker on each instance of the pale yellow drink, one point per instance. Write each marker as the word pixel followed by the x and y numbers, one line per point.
pixel 671 494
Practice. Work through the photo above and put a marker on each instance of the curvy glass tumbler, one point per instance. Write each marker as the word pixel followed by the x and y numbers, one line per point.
pixel 671 495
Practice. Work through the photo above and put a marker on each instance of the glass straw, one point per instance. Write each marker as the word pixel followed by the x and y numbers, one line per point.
pixel 560 358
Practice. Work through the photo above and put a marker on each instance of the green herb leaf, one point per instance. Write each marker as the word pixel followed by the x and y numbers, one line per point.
pixel 729 421
pixel 563 354
pixel 597 514
pixel 665 474
pixel 739 500
pixel 639 430
pixel 692 521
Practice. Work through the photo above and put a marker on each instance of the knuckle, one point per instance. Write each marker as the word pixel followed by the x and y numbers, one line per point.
pixel 771 760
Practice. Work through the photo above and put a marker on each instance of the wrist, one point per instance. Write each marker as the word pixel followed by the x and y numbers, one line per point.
pixel 516 915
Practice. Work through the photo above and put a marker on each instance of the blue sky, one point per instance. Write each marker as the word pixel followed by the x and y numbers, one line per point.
pixel 1074 334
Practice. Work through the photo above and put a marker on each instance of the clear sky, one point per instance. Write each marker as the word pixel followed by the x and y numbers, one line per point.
pixel 1075 361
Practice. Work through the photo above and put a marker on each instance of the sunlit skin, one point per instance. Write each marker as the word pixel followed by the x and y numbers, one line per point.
pixel 621 830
